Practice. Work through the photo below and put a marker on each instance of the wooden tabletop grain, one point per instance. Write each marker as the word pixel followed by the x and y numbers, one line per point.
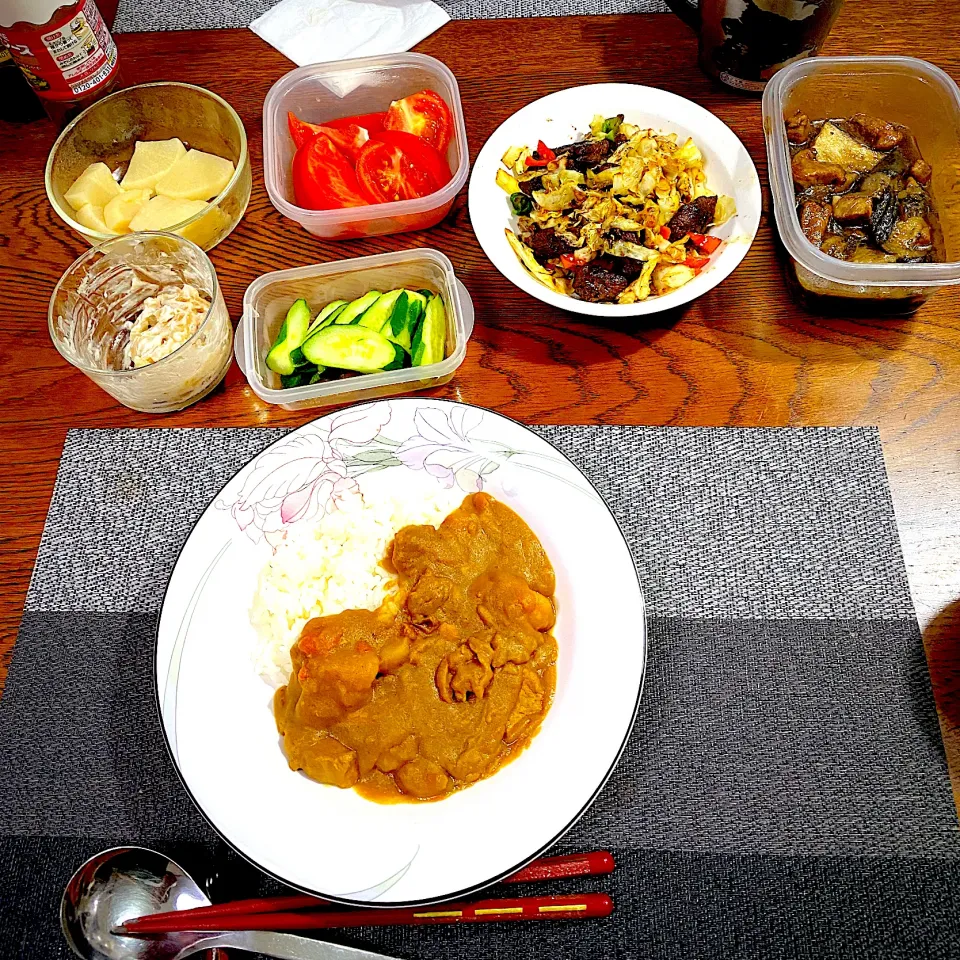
pixel 745 354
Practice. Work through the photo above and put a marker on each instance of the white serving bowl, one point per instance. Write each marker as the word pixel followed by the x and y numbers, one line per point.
pixel 564 117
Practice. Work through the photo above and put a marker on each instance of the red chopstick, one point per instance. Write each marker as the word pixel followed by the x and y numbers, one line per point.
pixel 547 868
pixel 571 865
pixel 517 908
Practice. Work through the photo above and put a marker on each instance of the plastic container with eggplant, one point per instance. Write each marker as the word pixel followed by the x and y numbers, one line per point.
pixel 862 156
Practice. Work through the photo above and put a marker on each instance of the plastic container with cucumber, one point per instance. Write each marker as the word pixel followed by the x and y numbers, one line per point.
pixel 372 333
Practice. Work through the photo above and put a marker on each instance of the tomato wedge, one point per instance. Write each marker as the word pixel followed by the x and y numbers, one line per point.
pixel 419 153
pixel 386 175
pixel 423 114
pixel 348 137
pixel 399 166
pixel 301 131
pixel 371 122
pixel 324 177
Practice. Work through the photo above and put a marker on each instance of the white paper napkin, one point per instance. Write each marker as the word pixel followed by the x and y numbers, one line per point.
pixel 318 31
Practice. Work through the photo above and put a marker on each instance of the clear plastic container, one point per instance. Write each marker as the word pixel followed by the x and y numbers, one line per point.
pixel 102 293
pixel 327 91
pixel 903 90
pixel 268 298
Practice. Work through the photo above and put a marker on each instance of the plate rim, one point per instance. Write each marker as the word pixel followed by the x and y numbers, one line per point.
pixel 642 308
pixel 473 888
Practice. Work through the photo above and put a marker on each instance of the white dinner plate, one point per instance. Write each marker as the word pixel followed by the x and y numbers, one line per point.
pixel 564 117
pixel 216 709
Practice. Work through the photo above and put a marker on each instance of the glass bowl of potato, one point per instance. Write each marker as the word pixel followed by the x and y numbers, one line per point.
pixel 160 156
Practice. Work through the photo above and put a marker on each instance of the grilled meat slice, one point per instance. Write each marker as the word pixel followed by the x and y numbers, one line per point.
pixel 628 236
pixel 585 154
pixel 693 217
pixel 629 267
pixel 600 281
pixel 546 245
pixel 528 186
pixel 814 220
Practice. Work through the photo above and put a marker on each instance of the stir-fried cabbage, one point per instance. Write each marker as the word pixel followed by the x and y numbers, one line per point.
pixel 620 207
pixel 640 288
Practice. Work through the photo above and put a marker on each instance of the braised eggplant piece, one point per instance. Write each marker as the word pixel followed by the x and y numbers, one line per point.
pixel 910 239
pixel 913 199
pixel 883 217
pixel 860 188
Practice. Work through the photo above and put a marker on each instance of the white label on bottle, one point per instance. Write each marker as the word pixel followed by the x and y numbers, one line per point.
pixel 83 49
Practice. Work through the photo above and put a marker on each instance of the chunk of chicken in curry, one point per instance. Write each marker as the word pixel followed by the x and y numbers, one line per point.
pixel 447 681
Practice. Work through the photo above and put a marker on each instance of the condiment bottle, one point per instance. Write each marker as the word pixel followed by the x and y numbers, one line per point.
pixel 18 103
pixel 64 50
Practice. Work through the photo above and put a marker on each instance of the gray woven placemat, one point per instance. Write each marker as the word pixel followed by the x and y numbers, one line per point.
pixel 784 792
pixel 134 16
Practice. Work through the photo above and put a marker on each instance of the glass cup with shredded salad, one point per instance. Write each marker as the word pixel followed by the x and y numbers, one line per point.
pixel 143 317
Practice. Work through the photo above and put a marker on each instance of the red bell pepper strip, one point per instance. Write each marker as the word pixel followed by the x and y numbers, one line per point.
pixel 532 162
pixel 665 232
pixel 697 263
pixel 545 152
pixel 568 261
pixel 704 243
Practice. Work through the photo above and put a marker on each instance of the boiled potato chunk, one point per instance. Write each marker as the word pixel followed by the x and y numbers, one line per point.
pixel 94 187
pixel 162 212
pixel 151 161
pixel 122 209
pixel 209 228
pixel 196 176
pixel 91 216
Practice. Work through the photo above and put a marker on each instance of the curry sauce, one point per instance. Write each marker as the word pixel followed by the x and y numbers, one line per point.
pixel 447 681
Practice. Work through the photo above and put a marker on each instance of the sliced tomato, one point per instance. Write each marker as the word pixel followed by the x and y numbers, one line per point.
pixel 423 114
pixel 324 177
pixel 301 131
pixel 419 153
pixel 371 122
pixel 387 173
pixel 348 137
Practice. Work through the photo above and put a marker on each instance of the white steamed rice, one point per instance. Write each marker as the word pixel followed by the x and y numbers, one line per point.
pixel 331 565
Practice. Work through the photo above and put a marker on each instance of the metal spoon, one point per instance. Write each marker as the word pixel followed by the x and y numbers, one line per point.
pixel 127 882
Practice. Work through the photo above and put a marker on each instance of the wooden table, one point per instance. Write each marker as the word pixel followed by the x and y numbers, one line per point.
pixel 743 355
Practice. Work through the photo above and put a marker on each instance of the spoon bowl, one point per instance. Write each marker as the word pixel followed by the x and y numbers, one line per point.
pixel 118 885
pixel 126 882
